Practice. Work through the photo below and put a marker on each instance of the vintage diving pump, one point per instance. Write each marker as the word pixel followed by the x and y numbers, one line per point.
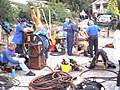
pixel 35 50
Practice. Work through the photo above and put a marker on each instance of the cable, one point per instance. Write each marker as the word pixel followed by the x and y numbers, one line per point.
pixel 5 82
pixel 8 82
pixel 53 81
pixel 106 78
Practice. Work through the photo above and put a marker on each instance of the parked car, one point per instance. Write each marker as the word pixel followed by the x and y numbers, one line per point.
pixel 104 20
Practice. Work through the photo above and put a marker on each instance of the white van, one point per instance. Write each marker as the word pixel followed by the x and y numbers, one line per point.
pixel 104 20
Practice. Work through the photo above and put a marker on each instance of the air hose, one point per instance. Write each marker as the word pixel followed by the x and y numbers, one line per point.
pixel 100 77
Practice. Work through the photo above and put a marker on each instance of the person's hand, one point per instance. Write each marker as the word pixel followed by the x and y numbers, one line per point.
pixel 65 28
pixel 21 62
pixel 17 55
pixel 30 29
pixel 87 37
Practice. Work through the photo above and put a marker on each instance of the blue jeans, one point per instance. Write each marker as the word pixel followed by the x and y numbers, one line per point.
pixel 65 35
pixel 23 66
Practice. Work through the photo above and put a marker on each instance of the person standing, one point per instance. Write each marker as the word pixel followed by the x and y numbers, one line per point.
pixel 116 54
pixel 113 23
pixel 19 35
pixel 10 58
pixel 71 28
pixel 93 32
pixel 65 25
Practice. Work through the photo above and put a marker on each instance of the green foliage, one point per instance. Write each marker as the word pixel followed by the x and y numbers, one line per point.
pixel 77 5
pixel 58 12
pixel 11 13
pixel 113 8
pixel 7 11
pixel 118 3
pixel 57 8
pixel 24 9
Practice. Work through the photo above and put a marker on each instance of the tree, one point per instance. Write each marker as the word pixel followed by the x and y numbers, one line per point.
pixel 24 11
pixel 76 5
pixel 58 12
pixel 113 8
pixel 118 2
pixel 7 11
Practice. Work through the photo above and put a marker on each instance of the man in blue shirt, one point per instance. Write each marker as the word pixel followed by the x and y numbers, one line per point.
pixel 93 31
pixel 10 58
pixel 19 34
pixel 65 25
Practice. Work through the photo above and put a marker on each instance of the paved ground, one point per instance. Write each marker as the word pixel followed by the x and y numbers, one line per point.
pixel 54 60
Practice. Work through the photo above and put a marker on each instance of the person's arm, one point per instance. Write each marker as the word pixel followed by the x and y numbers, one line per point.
pixel 36 32
pixel 20 28
pixel 9 57
pixel 65 26
pixel 86 34
pixel 74 28
pixel 16 54
pixel 43 32
pixel 99 31
pixel 28 29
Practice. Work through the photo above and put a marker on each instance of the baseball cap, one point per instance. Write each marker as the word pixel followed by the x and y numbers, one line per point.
pixel 23 20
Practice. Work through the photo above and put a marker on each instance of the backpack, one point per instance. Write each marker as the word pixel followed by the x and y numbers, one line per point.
pixel 105 58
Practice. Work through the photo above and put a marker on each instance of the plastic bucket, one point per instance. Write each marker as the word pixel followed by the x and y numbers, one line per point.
pixel 65 67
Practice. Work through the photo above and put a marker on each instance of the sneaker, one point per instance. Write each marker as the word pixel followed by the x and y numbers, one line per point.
pixel 30 73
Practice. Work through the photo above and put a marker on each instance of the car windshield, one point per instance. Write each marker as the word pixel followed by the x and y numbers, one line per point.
pixel 104 18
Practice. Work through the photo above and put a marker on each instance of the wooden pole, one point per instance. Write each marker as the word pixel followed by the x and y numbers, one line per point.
pixel 50 19
pixel 45 19
pixel 49 32
pixel 50 23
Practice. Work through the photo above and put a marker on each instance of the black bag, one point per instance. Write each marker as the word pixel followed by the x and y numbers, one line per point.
pixel 105 58
pixel 88 85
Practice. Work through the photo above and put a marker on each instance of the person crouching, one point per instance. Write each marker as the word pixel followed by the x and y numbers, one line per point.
pixel 10 58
